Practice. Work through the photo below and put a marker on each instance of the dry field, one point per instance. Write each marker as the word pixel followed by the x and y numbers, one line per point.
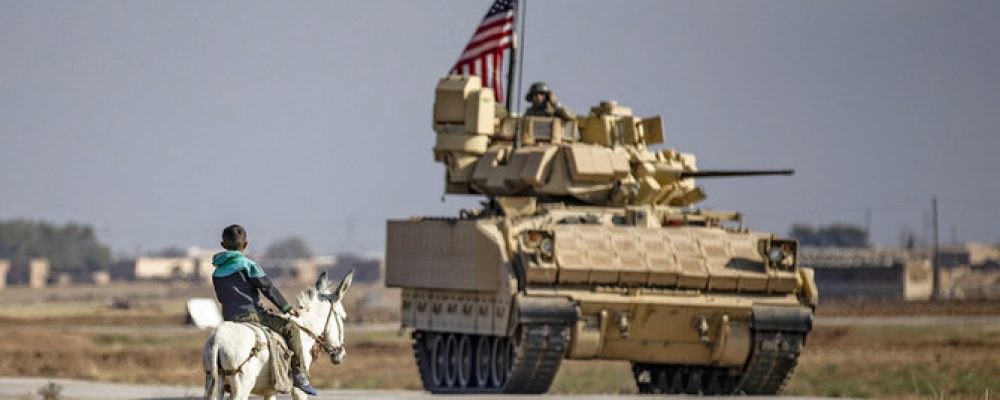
pixel 73 333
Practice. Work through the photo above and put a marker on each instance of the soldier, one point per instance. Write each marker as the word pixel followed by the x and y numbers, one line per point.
pixel 544 104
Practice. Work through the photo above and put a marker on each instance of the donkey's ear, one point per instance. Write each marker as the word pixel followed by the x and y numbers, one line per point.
pixel 345 284
pixel 321 280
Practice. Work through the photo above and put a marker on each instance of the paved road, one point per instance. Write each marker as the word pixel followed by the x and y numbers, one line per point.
pixel 24 388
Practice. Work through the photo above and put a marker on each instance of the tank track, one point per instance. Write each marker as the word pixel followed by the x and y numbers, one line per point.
pixel 536 351
pixel 772 360
pixel 774 356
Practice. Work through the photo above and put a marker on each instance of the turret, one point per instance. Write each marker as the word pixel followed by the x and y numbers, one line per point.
pixel 599 159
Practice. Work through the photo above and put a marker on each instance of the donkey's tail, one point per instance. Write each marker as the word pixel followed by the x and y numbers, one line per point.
pixel 210 358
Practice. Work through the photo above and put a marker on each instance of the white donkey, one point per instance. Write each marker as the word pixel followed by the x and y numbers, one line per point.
pixel 230 348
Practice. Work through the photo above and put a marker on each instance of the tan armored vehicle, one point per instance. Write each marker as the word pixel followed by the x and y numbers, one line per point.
pixel 587 248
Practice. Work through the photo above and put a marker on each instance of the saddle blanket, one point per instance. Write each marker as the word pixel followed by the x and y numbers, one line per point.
pixel 281 358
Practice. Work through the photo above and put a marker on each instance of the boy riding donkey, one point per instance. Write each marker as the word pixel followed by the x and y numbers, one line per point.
pixel 238 284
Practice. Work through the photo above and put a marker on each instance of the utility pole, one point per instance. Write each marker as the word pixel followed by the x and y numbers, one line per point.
pixel 868 222
pixel 936 261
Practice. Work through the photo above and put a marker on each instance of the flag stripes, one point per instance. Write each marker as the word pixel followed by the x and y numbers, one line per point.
pixel 484 54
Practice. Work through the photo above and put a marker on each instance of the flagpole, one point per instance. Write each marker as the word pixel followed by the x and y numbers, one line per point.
pixel 513 59
pixel 518 66
pixel 522 10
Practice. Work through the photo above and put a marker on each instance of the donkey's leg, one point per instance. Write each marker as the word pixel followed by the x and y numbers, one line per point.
pixel 298 394
pixel 271 397
pixel 241 385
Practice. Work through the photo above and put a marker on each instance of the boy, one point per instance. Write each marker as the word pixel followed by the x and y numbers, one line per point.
pixel 238 284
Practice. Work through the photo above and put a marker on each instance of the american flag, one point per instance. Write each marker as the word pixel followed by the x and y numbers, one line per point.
pixel 483 56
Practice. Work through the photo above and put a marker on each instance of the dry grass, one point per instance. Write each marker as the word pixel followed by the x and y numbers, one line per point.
pixel 878 362
pixel 904 362
pixel 876 308
pixel 76 336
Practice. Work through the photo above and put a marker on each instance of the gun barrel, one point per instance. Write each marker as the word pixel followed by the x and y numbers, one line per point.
pixel 720 173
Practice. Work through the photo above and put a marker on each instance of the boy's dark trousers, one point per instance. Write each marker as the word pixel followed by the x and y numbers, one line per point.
pixel 287 329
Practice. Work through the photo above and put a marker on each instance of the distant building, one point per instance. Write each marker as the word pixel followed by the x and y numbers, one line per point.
pixel 203 265
pixel 970 271
pixel 365 269
pixel 301 270
pixel 967 271
pixel 164 268
pixel 197 266
pixel 63 279
pixel 974 255
pixel 307 270
pixel 869 273
pixel 123 270
pixel 100 278
pixel 4 267
pixel 32 273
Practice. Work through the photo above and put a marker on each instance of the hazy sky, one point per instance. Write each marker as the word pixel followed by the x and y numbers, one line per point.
pixel 162 121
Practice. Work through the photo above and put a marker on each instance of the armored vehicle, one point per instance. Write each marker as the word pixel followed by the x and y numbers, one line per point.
pixel 587 247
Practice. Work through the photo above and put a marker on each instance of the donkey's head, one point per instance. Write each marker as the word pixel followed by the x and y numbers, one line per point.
pixel 323 314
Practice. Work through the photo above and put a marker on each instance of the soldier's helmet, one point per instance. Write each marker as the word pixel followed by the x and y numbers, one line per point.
pixel 538 87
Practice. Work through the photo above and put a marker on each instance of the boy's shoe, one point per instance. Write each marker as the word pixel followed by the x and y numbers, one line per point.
pixel 300 381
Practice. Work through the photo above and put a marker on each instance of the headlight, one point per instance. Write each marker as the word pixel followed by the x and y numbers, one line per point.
pixel 547 246
pixel 539 240
pixel 774 254
pixel 533 238
pixel 780 253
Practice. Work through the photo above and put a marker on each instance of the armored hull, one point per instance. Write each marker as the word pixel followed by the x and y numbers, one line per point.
pixel 588 249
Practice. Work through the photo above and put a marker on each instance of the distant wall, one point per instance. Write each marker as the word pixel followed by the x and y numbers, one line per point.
pixel 870 273
pixel 969 282
pixel 919 283
pixel 164 268
pixel 32 273
pixel 365 270
pixel 123 270
pixel 100 278
pixel 204 267
pixel 861 282
pixel 4 267
pixel 307 270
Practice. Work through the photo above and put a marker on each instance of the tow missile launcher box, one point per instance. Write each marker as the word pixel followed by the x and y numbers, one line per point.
pixel 587 247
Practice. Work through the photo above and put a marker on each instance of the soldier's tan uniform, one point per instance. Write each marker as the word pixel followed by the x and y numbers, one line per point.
pixel 550 110
pixel 549 107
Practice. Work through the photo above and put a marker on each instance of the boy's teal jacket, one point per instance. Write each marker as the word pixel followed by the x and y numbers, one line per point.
pixel 238 284
pixel 230 262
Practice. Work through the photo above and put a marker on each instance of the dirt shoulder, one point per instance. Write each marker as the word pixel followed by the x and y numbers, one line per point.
pixel 884 308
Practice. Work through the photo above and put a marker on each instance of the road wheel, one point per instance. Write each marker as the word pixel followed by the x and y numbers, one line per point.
pixel 453 359
pixel 439 361
pixel 483 361
pixel 661 381
pixel 677 382
pixel 644 375
pixel 465 361
pixel 694 379
pixel 501 361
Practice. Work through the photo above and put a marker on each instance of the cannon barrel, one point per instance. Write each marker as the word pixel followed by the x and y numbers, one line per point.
pixel 720 173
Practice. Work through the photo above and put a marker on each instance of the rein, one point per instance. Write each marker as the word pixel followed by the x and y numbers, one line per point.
pixel 321 339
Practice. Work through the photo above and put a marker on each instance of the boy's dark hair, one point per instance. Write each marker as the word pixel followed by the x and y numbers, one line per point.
pixel 234 237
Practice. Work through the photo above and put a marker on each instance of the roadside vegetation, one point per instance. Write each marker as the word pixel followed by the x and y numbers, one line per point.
pixel 71 337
